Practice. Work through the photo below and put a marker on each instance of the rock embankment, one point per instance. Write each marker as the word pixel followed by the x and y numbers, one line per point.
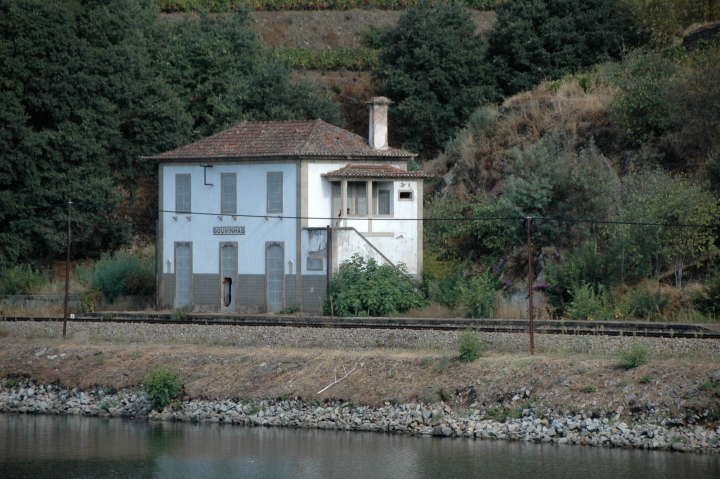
pixel 413 418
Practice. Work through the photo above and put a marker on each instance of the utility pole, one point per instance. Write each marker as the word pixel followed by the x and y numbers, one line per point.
pixel 67 271
pixel 531 325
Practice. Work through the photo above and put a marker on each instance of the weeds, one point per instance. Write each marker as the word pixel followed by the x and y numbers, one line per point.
pixel 181 314
pixel 588 389
pixel 469 346
pixel 646 379
pixel 634 357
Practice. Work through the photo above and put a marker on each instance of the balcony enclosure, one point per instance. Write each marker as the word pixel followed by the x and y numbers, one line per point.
pixel 350 199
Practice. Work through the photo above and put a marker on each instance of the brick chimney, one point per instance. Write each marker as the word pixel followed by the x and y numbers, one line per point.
pixel 378 123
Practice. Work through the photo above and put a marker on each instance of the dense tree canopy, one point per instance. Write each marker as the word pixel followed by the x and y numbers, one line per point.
pixel 88 86
pixel 534 40
pixel 433 67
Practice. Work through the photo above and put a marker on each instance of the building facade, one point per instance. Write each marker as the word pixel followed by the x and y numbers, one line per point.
pixel 258 217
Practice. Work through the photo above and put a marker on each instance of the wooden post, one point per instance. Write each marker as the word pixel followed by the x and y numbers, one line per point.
pixel 67 272
pixel 531 325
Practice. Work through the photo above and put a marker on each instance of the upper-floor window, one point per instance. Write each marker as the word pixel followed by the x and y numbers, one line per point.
pixel 274 192
pixel 182 193
pixel 228 193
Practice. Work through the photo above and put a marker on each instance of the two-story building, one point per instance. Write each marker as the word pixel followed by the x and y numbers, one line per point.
pixel 257 217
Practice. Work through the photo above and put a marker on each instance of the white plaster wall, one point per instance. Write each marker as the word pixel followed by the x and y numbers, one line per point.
pixel 252 200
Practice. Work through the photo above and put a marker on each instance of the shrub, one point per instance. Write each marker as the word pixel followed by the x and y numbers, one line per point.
pixel 644 303
pixel 469 346
pixel 181 313
pixel 479 294
pixel 589 303
pixel 123 273
pixel 634 357
pixel 162 386
pixel 707 300
pixel 20 279
pixel 363 287
pixel 224 5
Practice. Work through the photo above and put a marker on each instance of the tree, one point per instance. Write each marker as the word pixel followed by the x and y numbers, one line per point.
pixel 534 40
pixel 433 66
pixel 223 75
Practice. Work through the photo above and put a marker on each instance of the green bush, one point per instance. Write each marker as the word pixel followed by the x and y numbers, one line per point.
pixel 634 357
pixel 586 265
pixel 162 386
pixel 365 288
pixel 644 303
pixel 589 303
pixel 354 59
pixel 469 346
pixel 478 295
pixel 122 274
pixel 707 300
pixel 20 279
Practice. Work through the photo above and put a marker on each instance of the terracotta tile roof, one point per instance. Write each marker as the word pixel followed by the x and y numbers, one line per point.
pixel 374 171
pixel 279 138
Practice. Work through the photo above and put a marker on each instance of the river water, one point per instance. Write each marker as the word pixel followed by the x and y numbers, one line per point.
pixel 79 447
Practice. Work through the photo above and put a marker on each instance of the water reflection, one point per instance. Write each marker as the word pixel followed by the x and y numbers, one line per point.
pixel 46 446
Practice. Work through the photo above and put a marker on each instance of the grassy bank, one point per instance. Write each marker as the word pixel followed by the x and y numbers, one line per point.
pixel 670 384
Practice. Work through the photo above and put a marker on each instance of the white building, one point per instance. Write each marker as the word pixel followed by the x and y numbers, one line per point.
pixel 247 214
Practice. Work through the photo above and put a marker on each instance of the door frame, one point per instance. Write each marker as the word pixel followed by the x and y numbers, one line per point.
pixel 175 271
pixel 234 289
pixel 268 245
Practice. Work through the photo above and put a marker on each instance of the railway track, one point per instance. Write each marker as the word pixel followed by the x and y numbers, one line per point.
pixel 597 328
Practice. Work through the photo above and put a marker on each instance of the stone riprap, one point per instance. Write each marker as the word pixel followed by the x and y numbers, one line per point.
pixel 416 419
pixel 358 339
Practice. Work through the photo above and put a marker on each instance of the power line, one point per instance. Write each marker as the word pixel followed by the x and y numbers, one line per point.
pixel 385 218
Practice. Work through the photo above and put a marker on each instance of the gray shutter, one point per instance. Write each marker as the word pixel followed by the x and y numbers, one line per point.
pixel 228 193
pixel 336 201
pixel 274 273
pixel 183 274
pixel 275 192
pixel 182 193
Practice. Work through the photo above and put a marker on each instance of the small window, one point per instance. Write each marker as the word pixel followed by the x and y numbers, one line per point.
pixel 182 193
pixel 275 192
pixel 228 193
pixel 382 198
pixel 314 263
pixel 406 195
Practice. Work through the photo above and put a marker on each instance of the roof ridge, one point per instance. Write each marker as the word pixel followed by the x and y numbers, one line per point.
pixel 304 148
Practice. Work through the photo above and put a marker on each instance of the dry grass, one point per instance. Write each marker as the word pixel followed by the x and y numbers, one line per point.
pixel 480 156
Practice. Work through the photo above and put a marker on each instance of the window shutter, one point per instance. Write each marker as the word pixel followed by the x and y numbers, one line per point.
pixel 336 201
pixel 228 193
pixel 275 192
pixel 182 193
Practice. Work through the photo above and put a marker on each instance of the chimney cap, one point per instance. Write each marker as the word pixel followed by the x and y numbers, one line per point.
pixel 379 100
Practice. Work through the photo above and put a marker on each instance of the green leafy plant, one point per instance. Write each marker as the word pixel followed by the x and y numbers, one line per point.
pixel 479 294
pixel 162 386
pixel 588 389
pixel 646 379
pixel 123 273
pixel 470 347
pixel 644 303
pixel 589 303
pixel 362 287
pixel 20 279
pixel 636 356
